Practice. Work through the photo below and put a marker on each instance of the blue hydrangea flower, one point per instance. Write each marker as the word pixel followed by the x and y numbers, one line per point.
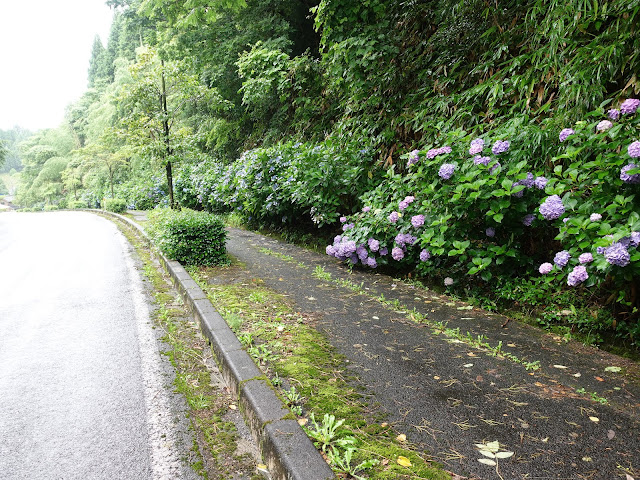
pixel 490 232
pixel 635 239
pixel 500 146
pixel 614 113
pixel 634 149
pixel 616 254
pixel 446 170
pixel 562 258
pixel 629 106
pixel 476 146
pixel 528 219
pixel 577 276
pixel 565 133
pixel 424 255
pixel 552 207
pixel 545 268
pixel 626 178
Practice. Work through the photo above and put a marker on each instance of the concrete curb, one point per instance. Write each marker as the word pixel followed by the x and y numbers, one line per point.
pixel 286 449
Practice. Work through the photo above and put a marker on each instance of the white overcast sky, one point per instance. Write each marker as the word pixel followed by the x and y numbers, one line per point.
pixel 45 47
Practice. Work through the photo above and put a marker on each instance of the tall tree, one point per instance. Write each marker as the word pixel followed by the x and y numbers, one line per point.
pixel 152 106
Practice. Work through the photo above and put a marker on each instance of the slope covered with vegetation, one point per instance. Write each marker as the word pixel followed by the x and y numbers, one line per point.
pixel 307 113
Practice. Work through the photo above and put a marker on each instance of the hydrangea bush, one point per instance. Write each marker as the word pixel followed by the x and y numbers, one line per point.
pixel 471 208
pixel 292 183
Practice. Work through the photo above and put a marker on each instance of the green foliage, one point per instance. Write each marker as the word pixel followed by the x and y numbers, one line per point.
pixel 190 237
pixel 298 184
pixel 116 205
pixel 75 204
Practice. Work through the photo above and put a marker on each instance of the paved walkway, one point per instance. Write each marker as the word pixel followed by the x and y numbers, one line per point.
pixel 447 396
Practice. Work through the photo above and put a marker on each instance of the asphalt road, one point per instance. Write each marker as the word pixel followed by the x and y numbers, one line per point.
pixel 84 391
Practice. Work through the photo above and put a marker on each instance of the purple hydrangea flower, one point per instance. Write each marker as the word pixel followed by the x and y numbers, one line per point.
pixel 446 170
pixel 393 218
pixel 626 178
pixel 448 281
pixel 347 248
pixel 353 259
pixel 490 232
pixel 614 113
pixel 370 261
pixel 578 275
pixel 635 239
pixel 629 106
pixel 529 181
pixel 414 156
pixel 616 254
pixel 634 149
pixel 384 251
pixel 432 153
pixel 552 207
pixel 366 209
pixel 528 219
pixel 337 239
pixel 595 217
pixel 562 258
pixel 494 167
pixel 343 219
pixel 565 133
pixel 545 268
pixel 374 245
pixel 500 147
pixel 403 239
pixel 478 160
pixel 476 146
pixel 405 203
pixel 397 253
pixel 424 255
pixel 347 226
pixel 331 250
pixel 417 220
pixel 604 125
pixel 540 183
pixel 600 250
pixel 585 258
pixel 445 150
pixel 362 253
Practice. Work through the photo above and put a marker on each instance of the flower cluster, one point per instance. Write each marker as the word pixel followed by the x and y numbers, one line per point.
pixel 629 106
pixel 434 152
pixel 552 207
pixel 405 203
pixel 561 258
pixel 414 157
pixel 476 146
pixel 417 220
pixel 565 133
pixel 604 125
pixel 478 160
pixel 446 170
pixel 629 178
pixel 577 276
pixel 500 146
pixel 634 149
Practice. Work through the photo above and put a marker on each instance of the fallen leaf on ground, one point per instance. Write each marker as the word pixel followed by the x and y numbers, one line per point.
pixel 404 461
pixel 303 421
pixel 611 434
pixel 600 379
pixel 594 419
pixel 468 365
pixel 401 438
pixel 559 366
pixel 612 369
pixel 487 461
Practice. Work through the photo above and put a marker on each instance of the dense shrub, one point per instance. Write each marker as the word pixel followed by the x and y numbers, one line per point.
pixel 190 237
pixel 143 193
pixel 116 205
pixel 49 208
pixel 473 208
pixel 77 204
pixel 285 184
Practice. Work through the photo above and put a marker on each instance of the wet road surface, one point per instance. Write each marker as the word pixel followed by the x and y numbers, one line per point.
pixel 84 391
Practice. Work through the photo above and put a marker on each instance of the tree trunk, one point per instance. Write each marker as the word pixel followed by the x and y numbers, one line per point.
pixel 165 127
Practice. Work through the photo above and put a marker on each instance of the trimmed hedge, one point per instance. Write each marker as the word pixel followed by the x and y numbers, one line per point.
pixel 190 237
pixel 115 205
